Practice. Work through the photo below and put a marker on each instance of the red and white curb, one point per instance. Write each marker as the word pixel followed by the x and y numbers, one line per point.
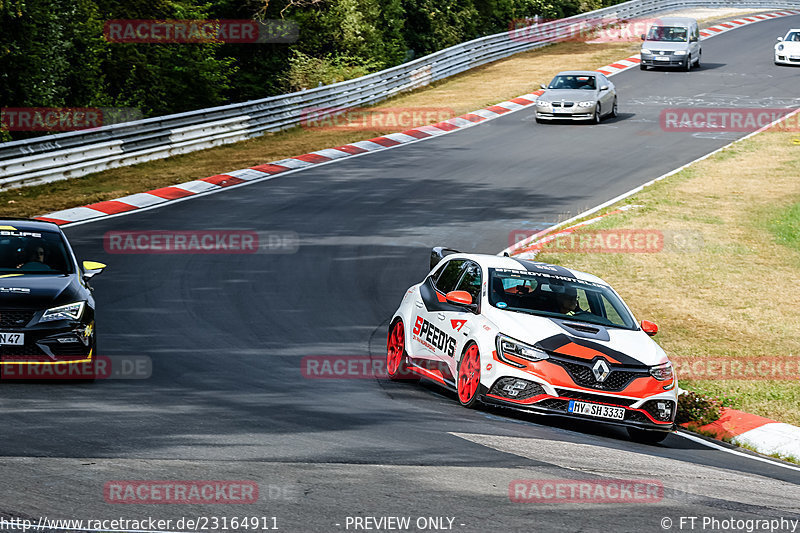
pixel 756 432
pixel 212 184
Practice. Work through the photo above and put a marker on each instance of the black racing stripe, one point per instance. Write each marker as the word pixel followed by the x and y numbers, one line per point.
pixel 552 344
pixel 545 268
pixel 432 303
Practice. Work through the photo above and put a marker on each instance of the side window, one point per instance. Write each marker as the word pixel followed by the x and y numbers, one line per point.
pixel 471 281
pixel 446 281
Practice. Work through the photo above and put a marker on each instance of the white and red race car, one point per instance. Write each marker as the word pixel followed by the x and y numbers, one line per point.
pixel 536 337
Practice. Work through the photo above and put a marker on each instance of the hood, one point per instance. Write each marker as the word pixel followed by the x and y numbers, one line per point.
pixel 536 329
pixel 37 291
pixel 665 45
pixel 570 95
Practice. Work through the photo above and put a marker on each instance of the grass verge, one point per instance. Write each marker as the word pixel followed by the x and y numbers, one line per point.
pixel 732 295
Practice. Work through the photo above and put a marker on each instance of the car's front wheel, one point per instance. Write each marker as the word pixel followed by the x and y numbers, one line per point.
pixel 597 118
pixel 469 376
pixel 396 356
pixel 688 65
pixel 643 436
pixel 642 66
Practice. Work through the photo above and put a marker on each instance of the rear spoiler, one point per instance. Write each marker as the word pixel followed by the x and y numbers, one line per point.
pixel 440 252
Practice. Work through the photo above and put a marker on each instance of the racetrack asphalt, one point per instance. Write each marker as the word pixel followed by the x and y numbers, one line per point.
pixel 226 335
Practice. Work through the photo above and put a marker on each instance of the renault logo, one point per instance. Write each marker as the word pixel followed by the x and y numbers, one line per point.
pixel 600 370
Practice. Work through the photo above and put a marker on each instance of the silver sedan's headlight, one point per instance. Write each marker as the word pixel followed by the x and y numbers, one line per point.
pixel 646 51
pixel 508 346
pixel 542 104
pixel 71 311
pixel 680 52
pixel 585 104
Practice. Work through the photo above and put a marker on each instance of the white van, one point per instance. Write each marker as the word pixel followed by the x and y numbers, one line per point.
pixel 672 42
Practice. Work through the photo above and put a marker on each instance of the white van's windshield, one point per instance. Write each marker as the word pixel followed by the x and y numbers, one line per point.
pixel 672 34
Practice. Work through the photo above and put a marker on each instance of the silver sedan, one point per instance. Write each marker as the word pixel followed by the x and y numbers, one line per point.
pixel 577 95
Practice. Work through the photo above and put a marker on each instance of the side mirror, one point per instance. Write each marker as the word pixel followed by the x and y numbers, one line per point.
pixel 649 328
pixel 459 297
pixel 92 268
pixel 542 86
pixel 603 87
pixel 780 38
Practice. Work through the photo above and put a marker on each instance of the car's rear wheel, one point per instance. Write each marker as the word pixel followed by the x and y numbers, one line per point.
pixel 614 108
pixel 697 63
pixel 644 436
pixel 396 356
pixel 469 376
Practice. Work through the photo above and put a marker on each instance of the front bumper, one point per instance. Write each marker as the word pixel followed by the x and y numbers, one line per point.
pixel 59 341
pixel 558 406
pixel 549 387
pixel 785 59
pixel 574 113
pixel 669 61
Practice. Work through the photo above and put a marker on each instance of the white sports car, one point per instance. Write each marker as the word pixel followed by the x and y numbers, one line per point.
pixel 787 50
pixel 533 336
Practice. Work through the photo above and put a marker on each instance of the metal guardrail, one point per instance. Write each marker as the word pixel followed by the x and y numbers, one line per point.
pixel 73 154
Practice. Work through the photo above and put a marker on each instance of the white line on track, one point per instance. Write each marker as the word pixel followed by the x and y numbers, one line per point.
pixel 716 446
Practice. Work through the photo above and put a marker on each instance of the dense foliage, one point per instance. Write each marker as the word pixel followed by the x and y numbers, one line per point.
pixel 53 52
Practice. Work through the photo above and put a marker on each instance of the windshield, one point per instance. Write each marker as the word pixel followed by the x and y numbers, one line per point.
pixel 558 297
pixel 573 82
pixel 793 36
pixel 33 252
pixel 672 34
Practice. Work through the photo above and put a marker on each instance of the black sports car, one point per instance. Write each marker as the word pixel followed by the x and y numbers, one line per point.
pixel 46 303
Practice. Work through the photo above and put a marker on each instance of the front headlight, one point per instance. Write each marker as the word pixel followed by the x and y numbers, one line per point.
pixel 780 48
pixel 585 104
pixel 646 51
pixel 680 52
pixel 662 372
pixel 542 104
pixel 71 311
pixel 508 346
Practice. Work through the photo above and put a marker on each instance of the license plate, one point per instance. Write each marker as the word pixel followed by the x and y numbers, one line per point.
pixel 560 112
pixel 596 409
pixel 661 58
pixel 12 339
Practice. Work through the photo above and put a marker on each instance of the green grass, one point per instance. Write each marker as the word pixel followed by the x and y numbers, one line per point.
pixel 785 226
